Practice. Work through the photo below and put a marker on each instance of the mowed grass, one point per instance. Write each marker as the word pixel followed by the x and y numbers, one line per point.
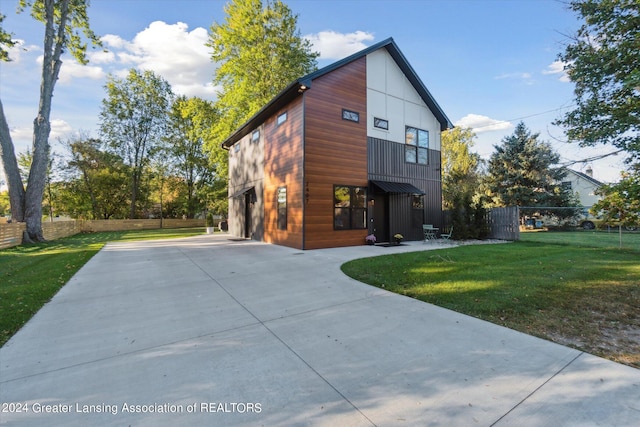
pixel 571 288
pixel 31 274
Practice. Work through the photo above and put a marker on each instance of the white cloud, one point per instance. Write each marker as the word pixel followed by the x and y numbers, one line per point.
pixel 71 69
pixel 17 51
pixel 59 129
pixel 171 51
pixel 479 123
pixel 114 41
pixel 22 133
pixel 333 45
pixel 557 67
pixel 101 57
pixel 526 78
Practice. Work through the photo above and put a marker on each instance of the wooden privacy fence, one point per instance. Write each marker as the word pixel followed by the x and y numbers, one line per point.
pixel 504 223
pixel 11 234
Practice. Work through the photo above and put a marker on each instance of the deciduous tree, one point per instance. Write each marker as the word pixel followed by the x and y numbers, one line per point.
pixel 603 61
pixel 259 51
pixel 133 121
pixel 460 174
pixel 620 201
pixel 66 22
pixel 190 124
pixel 97 181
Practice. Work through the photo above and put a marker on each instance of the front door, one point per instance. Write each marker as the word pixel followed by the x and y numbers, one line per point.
pixel 380 220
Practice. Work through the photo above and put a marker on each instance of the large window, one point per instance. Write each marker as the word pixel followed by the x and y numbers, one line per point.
pixel 416 149
pixel 282 208
pixel 349 207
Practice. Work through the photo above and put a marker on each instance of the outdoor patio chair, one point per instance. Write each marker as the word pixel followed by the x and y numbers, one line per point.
pixel 447 236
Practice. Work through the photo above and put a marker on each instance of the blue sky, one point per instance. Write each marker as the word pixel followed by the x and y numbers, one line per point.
pixel 488 63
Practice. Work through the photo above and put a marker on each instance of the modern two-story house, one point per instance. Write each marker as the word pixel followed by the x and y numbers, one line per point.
pixel 349 150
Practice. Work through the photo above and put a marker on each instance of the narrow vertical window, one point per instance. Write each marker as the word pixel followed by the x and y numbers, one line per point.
pixel 282 208
pixel 255 136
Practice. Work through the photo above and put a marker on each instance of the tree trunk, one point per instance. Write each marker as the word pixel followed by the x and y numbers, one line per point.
pixel 11 170
pixel 37 179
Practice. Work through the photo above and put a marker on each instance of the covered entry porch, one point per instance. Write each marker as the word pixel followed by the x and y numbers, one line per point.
pixel 396 207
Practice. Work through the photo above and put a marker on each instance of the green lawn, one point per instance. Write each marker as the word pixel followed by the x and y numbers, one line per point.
pixel 578 289
pixel 31 274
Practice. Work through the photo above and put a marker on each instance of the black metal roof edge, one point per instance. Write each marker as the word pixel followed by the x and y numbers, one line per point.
pixel 293 90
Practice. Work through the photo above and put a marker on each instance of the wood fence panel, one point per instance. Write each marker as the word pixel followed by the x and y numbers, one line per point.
pixel 504 223
pixel 59 229
pixel 11 234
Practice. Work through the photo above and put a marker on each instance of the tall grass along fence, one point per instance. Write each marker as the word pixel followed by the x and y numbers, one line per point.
pixel 11 234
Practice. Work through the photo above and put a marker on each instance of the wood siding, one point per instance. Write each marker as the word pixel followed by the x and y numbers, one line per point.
pixel 387 163
pixel 335 151
pixel 283 156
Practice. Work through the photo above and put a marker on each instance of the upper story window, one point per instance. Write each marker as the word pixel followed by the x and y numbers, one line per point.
pixel 352 116
pixel 255 136
pixel 236 147
pixel 281 118
pixel 380 123
pixel 416 148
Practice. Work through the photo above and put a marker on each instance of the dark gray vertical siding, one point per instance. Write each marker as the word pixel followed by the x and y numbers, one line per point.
pixel 386 163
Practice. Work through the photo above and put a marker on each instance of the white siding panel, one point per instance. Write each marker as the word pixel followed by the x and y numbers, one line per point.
pixel 395 78
pixel 390 95
pixel 376 70
pixel 395 112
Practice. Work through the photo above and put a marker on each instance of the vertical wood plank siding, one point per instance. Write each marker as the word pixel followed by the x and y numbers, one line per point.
pixel 386 160
pixel 283 156
pixel 335 151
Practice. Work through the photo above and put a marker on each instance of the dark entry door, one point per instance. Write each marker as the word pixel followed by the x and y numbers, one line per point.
pixel 247 214
pixel 381 217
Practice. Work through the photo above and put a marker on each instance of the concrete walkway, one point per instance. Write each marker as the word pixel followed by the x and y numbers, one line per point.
pixel 211 332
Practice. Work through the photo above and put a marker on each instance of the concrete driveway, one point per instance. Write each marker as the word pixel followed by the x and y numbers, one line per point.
pixel 209 331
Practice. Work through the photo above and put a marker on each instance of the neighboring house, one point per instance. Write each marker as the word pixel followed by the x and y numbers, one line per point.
pixel 583 185
pixel 348 150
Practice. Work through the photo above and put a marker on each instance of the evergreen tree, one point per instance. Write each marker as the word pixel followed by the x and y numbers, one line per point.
pixel 521 172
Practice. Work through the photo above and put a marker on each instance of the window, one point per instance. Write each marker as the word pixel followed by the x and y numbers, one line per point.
pixel 566 185
pixel 282 208
pixel 349 207
pixel 417 201
pixel 350 115
pixel 282 118
pixel 416 149
pixel 255 136
pixel 236 147
pixel 381 123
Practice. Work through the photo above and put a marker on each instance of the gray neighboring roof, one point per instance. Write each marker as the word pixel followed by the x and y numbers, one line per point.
pixel 586 177
pixel 294 89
